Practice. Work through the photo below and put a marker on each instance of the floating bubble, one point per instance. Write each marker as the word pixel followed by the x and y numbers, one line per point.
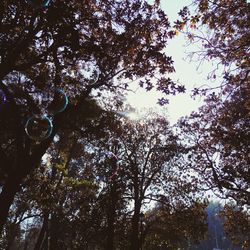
pixel 3 98
pixel 39 3
pixel 89 71
pixel 38 128
pixel 59 103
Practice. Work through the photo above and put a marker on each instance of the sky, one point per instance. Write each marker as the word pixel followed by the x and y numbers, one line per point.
pixel 186 72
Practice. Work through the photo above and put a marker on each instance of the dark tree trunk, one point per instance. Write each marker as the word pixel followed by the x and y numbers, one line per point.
pixel 55 237
pixel 12 233
pixel 135 241
pixel 111 214
pixel 42 233
pixel 21 168
pixel 7 195
pixel 45 244
pixel 110 234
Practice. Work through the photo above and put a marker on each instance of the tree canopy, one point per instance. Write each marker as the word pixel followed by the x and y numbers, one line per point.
pixel 75 173
pixel 219 131
pixel 84 48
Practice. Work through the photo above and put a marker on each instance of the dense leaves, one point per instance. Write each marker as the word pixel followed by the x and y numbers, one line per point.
pixel 219 132
pixel 84 47
pixel 171 228
pixel 235 215
pixel 88 185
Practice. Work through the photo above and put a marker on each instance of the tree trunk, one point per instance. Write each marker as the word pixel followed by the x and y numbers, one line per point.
pixel 111 214
pixel 110 234
pixel 135 242
pixel 55 233
pixel 22 166
pixel 12 233
pixel 42 232
pixel 7 195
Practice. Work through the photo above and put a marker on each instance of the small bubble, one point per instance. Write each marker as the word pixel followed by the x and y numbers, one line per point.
pixel 38 128
pixel 59 103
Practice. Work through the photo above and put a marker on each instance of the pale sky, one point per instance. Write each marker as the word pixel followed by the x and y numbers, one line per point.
pixel 186 72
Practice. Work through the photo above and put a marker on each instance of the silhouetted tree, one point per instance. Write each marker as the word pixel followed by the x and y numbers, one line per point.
pixel 218 134
pixel 80 46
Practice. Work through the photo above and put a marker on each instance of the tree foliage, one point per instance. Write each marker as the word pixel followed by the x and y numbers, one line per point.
pixel 88 184
pixel 84 47
pixel 219 132
pixel 172 227
pixel 91 191
pixel 237 224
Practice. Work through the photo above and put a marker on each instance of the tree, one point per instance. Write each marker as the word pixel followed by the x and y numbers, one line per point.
pixel 147 151
pixel 149 148
pixel 63 197
pixel 218 134
pixel 219 145
pixel 223 29
pixel 178 226
pixel 236 224
pixel 79 46
pixel 91 186
pixel 133 162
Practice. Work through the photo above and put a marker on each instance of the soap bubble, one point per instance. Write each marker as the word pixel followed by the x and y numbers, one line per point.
pixel 39 3
pixel 59 102
pixel 89 71
pixel 38 128
pixel 3 98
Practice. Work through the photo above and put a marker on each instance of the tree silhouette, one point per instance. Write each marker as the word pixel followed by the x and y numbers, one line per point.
pixel 83 47
pixel 218 134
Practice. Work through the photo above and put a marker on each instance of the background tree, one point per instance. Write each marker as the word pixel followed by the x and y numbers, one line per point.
pixel 218 134
pixel 217 236
pixel 140 152
pixel 236 225
pixel 172 226
pixel 147 153
pixel 149 147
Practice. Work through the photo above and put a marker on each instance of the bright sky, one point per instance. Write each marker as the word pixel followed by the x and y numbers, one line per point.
pixel 186 72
